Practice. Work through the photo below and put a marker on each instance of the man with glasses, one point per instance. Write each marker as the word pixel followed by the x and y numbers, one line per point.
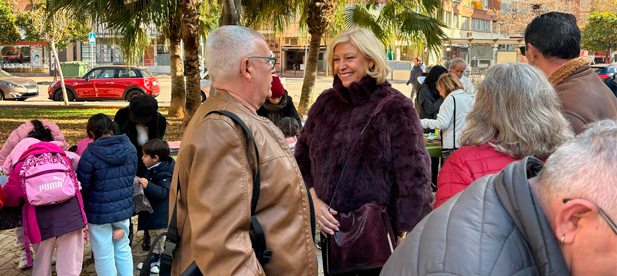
pixel 553 44
pixel 531 218
pixel 217 163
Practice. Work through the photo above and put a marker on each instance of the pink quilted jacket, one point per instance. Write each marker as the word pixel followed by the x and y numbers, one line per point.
pixel 466 165
pixel 22 132
pixel 22 146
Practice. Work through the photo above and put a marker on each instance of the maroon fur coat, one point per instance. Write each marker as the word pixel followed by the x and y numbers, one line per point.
pixel 389 164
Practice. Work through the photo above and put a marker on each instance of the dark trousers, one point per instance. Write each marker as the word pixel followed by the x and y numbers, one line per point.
pixel 324 256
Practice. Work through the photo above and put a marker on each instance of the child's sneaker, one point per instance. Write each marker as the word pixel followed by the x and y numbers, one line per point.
pixel 155 263
pixel 23 260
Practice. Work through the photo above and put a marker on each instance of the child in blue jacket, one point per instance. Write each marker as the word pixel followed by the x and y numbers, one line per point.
pixel 106 171
pixel 156 183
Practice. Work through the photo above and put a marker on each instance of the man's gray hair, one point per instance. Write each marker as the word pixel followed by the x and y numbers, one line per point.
pixel 585 167
pixel 226 47
pixel 456 62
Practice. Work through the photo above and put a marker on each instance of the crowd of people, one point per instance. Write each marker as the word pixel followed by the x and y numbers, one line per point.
pixel 525 184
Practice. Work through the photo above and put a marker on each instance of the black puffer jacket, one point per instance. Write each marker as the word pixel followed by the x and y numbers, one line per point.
pixel 157 192
pixel 494 227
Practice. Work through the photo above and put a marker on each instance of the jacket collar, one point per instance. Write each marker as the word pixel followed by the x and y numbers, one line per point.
pixel 359 92
pixel 517 198
pixel 567 69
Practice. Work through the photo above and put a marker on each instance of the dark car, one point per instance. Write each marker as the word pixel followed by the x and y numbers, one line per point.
pixel 612 83
pixel 604 71
pixel 108 83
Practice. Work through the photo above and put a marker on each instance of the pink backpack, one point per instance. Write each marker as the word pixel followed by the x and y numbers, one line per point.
pixel 47 179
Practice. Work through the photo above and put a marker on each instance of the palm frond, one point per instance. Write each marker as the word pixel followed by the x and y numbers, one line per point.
pixel 270 14
pixel 366 16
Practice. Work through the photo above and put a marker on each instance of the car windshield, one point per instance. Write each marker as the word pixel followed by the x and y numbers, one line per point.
pixel 601 70
pixel 4 74
pixel 146 73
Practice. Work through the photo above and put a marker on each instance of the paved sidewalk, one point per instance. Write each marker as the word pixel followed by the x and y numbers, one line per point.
pixel 10 255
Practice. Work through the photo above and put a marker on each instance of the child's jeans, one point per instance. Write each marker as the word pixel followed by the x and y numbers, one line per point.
pixel 70 255
pixel 109 252
pixel 160 247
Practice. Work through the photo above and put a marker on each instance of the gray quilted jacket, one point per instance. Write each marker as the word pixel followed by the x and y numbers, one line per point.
pixel 494 227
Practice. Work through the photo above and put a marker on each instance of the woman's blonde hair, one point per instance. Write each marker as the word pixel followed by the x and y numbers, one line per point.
pixel 369 45
pixel 517 112
pixel 449 82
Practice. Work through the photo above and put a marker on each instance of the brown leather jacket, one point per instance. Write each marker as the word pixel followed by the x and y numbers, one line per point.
pixel 214 204
pixel 584 97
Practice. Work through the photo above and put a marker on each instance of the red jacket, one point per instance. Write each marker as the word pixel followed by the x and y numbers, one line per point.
pixel 2 199
pixel 466 165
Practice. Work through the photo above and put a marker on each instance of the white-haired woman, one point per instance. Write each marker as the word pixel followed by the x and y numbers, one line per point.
pixel 362 144
pixel 516 114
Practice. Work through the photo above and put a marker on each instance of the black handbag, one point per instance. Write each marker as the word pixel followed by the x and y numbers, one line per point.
pixel 365 239
pixel 258 237
pixel 445 153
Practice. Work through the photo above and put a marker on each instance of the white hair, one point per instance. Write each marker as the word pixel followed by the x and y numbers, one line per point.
pixel 456 62
pixel 226 47
pixel 584 168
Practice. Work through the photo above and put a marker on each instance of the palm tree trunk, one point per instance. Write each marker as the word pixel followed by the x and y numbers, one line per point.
pixel 310 74
pixel 178 90
pixel 190 36
pixel 231 13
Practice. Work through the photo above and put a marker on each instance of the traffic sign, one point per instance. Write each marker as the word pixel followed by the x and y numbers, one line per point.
pixel 92 38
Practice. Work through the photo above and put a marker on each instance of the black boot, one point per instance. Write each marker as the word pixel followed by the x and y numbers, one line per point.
pixel 146 243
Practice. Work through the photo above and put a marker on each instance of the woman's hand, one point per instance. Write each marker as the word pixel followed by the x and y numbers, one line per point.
pixel 324 215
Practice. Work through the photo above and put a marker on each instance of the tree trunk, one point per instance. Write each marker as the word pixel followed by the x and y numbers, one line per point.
pixel 64 95
pixel 178 88
pixel 190 36
pixel 231 13
pixel 320 16
pixel 310 74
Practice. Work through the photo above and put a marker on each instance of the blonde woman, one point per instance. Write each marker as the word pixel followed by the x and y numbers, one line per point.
pixel 516 114
pixel 451 117
pixel 350 158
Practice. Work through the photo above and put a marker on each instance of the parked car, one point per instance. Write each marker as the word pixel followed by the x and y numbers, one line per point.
pixel 604 71
pixel 108 83
pixel 18 88
pixel 612 83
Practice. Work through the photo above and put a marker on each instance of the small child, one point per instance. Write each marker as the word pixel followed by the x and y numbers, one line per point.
pixel 106 172
pixel 289 126
pixel 156 183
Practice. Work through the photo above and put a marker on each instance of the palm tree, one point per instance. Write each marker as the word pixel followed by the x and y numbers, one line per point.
pixel 191 10
pixel 320 15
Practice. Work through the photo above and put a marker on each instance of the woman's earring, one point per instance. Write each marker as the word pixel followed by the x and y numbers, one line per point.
pixel 562 239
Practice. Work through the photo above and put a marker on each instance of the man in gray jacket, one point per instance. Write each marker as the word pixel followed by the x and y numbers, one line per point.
pixel 529 219
pixel 416 71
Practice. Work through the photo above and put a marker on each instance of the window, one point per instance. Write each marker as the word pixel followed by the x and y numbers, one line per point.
pixel 456 22
pixel 480 25
pixel 104 74
pixel 465 23
pixel 125 74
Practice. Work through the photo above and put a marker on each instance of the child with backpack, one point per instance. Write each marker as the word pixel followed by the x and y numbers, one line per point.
pixel 156 183
pixel 53 213
pixel 106 172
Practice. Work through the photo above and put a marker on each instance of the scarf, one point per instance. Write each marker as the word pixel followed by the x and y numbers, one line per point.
pixel 274 110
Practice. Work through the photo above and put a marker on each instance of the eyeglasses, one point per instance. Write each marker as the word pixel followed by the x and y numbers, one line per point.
pixel 271 60
pixel 603 214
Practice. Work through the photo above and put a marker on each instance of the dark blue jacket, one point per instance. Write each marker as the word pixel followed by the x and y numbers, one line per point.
pixel 106 171
pixel 157 192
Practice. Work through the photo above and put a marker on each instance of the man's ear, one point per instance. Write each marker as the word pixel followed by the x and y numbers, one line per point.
pixel 245 68
pixel 571 216
pixel 156 159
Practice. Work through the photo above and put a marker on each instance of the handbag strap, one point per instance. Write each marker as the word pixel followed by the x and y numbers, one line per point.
pixel 454 118
pixel 377 109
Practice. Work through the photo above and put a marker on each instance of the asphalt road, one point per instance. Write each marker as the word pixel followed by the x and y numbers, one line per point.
pixel 293 86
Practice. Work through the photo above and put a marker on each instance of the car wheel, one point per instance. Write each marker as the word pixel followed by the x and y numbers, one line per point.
pixel 58 97
pixel 2 95
pixel 21 99
pixel 203 96
pixel 132 94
